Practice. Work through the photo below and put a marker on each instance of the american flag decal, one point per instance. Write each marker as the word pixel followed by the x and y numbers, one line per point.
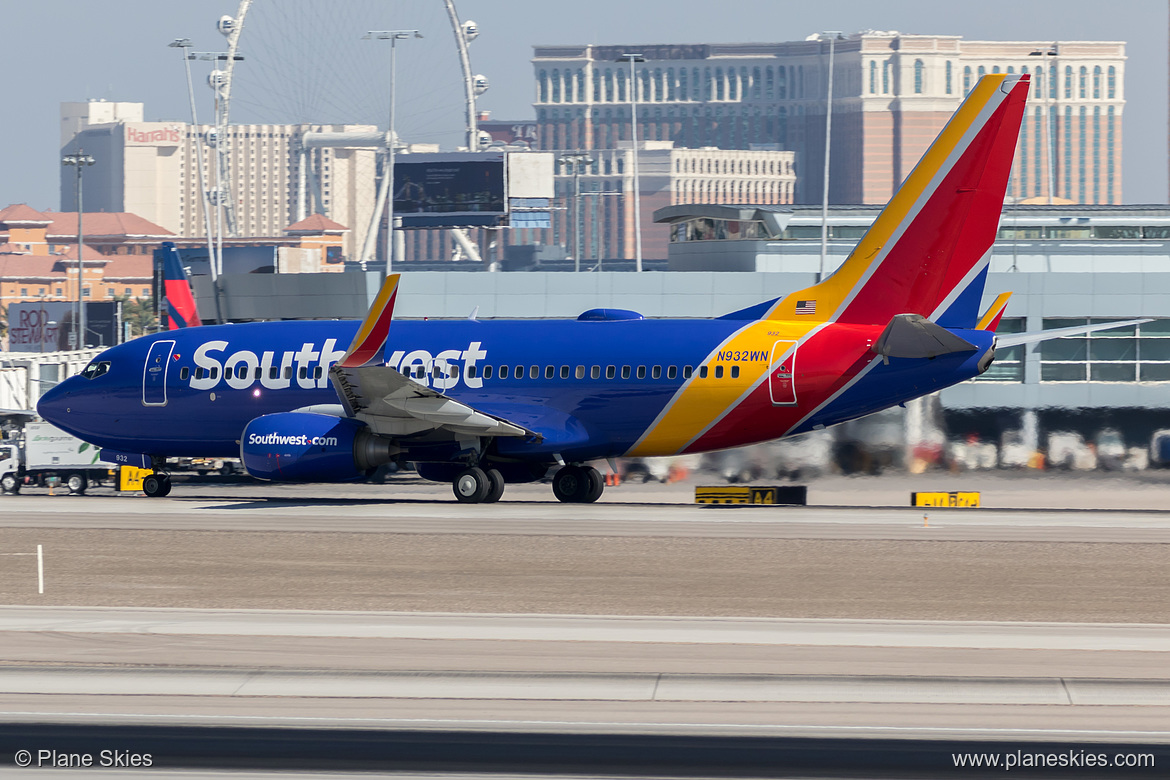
pixel 806 307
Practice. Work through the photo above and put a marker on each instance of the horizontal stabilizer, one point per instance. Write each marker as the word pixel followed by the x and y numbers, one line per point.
pixel 1015 339
pixel 914 336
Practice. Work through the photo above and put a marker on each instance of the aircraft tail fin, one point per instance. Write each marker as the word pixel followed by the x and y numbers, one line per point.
pixel 927 252
pixel 181 310
pixel 375 328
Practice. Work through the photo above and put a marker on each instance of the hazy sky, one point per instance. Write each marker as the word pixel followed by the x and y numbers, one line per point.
pixel 306 62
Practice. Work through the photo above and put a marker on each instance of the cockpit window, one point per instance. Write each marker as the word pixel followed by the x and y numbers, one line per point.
pixel 96 369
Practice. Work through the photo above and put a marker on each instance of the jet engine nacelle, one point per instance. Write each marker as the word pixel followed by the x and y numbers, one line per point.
pixel 305 447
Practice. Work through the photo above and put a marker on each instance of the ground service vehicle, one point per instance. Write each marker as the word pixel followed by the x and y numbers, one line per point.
pixel 44 452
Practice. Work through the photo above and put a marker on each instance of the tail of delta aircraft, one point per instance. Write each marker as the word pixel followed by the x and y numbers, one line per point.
pixel 181 311
pixel 927 252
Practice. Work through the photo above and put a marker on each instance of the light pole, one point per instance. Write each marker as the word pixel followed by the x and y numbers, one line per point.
pixel 832 38
pixel 637 188
pixel 185 44
pixel 386 192
pixel 577 159
pixel 1049 90
pixel 82 161
pixel 218 80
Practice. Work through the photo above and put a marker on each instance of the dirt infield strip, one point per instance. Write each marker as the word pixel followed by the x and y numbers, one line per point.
pixel 930 580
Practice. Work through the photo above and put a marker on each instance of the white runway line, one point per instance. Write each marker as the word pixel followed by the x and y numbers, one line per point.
pixel 689 630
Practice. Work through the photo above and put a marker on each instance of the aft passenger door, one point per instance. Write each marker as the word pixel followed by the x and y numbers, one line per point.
pixel 154 373
pixel 782 373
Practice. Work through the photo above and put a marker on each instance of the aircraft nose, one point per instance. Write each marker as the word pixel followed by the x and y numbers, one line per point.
pixel 56 405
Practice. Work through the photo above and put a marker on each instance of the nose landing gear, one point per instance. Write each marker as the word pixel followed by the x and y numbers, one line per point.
pixel 578 485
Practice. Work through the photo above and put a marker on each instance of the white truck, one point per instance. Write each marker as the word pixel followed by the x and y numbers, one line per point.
pixel 43 454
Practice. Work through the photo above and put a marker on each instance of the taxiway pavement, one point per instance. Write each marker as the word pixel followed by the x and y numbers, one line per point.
pixel 578 674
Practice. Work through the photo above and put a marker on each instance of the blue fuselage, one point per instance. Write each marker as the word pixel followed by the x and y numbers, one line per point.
pixel 216 379
pixel 587 389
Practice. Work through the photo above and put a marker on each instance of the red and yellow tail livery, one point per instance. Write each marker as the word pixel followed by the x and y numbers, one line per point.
pixel 926 254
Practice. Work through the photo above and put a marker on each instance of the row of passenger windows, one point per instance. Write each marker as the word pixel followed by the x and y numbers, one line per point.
pixel 565 372
pixel 503 372
pixel 241 372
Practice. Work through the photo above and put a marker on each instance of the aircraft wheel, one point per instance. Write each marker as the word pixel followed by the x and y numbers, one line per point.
pixel 596 484
pixel 495 486
pixel 571 485
pixel 77 484
pixel 471 486
pixel 10 484
pixel 156 485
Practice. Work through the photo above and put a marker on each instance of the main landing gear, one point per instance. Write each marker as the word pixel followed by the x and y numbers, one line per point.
pixel 578 484
pixel 571 484
pixel 476 486
pixel 156 485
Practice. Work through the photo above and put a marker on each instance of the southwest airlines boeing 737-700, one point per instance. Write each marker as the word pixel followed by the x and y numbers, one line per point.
pixel 484 403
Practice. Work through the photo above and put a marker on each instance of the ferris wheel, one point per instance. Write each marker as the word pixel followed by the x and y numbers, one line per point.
pixel 307 64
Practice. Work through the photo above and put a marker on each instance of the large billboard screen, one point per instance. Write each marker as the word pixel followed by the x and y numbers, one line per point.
pixel 450 190
pixel 236 259
pixel 48 326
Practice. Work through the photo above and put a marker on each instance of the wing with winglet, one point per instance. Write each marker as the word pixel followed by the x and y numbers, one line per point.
pixel 390 402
